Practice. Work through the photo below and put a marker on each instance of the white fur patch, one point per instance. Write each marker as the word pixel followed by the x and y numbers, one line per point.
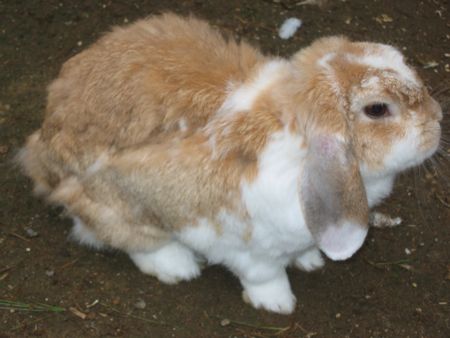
pixel 372 81
pixel 243 97
pixel 387 57
pixel 171 263
pixel 182 124
pixel 216 247
pixel 272 199
pixel 202 237
pixel 377 188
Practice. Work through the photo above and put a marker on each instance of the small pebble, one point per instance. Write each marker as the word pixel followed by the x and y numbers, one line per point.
pixel 140 304
pixel 414 284
pixel 383 18
pixel 31 233
pixel 338 315
pixel 225 322
pixel 50 273
pixel 407 251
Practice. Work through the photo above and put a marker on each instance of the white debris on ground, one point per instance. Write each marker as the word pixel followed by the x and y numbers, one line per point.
pixel 289 27
pixel 320 3
pixel 140 304
pixel 380 220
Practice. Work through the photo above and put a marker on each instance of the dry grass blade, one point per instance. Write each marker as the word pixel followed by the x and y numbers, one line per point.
pixel 21 306
pixel 403 263
pixel 441 199
pixel 19 237
pixel 277 330
pixel 78 313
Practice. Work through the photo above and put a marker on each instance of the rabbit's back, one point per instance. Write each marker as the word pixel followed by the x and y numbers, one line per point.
pixel 157 76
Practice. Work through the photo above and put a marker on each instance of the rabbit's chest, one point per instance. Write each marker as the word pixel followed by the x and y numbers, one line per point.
pixel 272 199
pixel 378 188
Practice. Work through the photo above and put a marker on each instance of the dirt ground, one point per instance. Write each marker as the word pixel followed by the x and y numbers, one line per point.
pixel 398 285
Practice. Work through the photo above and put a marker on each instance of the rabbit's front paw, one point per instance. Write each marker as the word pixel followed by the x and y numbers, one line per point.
pixel 310 260
pixel 274 295
pixel 170 264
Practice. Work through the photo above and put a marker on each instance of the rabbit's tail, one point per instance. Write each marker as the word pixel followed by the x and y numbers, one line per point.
pixel 34 159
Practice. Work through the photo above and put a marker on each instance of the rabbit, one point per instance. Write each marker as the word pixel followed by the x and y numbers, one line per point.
pixel 177 145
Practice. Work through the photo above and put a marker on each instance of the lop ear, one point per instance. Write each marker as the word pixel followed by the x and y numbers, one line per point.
pixel 333 197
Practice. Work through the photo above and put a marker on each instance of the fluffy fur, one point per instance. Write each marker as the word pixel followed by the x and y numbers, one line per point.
pixel 170 142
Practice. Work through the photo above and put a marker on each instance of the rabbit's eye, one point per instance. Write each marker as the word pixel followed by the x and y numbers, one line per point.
pixel 376 110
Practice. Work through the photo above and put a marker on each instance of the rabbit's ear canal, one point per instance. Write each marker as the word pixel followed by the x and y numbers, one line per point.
pixel 333 197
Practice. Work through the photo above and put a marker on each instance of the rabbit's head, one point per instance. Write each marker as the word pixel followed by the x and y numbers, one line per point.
pixel 391 120
pixel 366 116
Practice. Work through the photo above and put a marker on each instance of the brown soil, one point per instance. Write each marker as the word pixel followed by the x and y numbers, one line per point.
pixel 381 292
